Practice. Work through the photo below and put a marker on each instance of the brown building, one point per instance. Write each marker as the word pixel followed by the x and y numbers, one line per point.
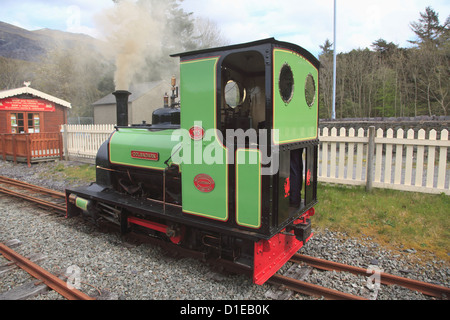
pixel 30 125
pixel 27 110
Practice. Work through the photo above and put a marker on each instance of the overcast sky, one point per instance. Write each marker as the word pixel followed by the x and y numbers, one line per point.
pixel 307 23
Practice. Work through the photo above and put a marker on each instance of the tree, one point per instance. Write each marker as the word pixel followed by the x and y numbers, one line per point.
pixel 14 72
pixel 326 48
pixel 384 48
pixel 389 81
pixel 433 55
pixel 326 79
pixel 428 28
pixel 207 34
pixel 72 75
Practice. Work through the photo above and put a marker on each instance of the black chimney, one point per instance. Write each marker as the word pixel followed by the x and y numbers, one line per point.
pixel 122 107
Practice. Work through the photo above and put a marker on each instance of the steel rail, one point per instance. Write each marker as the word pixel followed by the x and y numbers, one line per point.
pixel 311 289
pixel 385 278
pixel 33 199
pixel 26 185
pixel 41 274
pixel 30 187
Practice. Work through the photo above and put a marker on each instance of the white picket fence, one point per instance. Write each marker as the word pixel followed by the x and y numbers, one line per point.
pixel 374 159
pixel 381 160
pixel 81 142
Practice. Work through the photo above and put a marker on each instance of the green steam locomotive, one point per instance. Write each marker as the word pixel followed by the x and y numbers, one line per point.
pixel 230 170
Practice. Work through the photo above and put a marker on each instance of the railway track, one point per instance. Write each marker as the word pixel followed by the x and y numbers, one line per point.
pixel 44 279
pixel 56 200
pixel 429 289
pixel 44 197
pixel 311 289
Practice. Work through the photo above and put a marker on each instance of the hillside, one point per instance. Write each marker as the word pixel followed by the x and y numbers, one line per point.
pixel 22 44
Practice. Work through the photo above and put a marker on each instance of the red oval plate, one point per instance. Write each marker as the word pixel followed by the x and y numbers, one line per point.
pixel 204 183
pixel 196 133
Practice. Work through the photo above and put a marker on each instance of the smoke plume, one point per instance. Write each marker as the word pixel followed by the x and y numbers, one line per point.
pixel 134 32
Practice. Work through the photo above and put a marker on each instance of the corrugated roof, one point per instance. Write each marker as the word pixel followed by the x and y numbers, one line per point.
pixel 27 90
pixel 137 91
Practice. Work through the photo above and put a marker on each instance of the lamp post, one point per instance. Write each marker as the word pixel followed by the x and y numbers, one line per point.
pixel 333 114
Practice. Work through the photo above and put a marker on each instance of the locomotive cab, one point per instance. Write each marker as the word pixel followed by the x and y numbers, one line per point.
pixel 261 101
pixel 236 179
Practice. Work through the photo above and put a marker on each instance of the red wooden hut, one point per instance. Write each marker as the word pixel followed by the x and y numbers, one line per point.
pixel 30 124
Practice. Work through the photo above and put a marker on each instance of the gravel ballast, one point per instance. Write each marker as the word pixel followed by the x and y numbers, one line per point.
pixel 111 268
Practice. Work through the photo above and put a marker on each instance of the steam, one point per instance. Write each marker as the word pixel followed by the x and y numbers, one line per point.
pixel 134 32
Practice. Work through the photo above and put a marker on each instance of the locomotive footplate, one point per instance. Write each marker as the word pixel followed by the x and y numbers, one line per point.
pixel 140 206
pixel 146 208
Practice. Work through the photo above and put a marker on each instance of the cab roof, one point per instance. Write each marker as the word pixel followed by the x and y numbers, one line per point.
pixel 269 41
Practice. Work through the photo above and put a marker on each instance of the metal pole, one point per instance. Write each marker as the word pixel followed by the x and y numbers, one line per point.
pixel 333 114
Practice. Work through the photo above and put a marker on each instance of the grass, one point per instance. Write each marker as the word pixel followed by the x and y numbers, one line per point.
pixel 79 173
pixel 84 172
pixel 392 218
